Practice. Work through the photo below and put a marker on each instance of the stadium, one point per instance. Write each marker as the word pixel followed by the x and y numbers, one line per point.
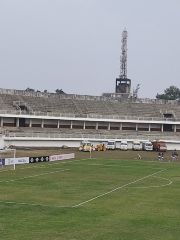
pixel 56 191
pixel 49 189
pixel 50 119
pixel 101 195
pixel 44 119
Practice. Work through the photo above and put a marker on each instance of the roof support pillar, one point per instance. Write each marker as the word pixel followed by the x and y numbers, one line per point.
pixel 17 122
pixel 1 122
pixel 71 125
pixel 42 123
pixel 162 128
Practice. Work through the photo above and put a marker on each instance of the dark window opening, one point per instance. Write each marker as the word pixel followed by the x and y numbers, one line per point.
pixel 168 115
pixel 21 122
pixel 167 127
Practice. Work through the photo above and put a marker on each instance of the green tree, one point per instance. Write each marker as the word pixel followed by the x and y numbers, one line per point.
pixel 30 89
pixel 59 91
pixel 171 93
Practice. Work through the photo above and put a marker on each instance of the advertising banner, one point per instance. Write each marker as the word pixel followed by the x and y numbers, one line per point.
pixel 10 161
pixel 39 159
pixel 69 156
pixel 53 158
pixel 2 162
pixel 61 157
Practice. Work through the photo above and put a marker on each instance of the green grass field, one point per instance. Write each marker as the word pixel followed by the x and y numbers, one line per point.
pixel 113 195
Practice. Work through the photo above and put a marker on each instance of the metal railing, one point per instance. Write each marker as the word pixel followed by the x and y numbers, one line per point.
pixel 89 136
pixel 95 116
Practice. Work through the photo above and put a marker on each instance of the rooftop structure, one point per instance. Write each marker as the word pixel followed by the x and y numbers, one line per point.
pixel 123 84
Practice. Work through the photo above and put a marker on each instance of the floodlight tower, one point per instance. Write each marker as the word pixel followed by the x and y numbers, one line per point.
pixel 123 84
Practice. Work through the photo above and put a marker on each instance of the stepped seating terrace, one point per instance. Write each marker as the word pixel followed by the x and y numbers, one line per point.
pixel 84 105
pixel 96 134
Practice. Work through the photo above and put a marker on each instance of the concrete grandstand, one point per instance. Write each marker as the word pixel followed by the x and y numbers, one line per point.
pixel 27 117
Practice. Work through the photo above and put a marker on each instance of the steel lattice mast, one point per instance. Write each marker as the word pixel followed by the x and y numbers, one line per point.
pixel 123 58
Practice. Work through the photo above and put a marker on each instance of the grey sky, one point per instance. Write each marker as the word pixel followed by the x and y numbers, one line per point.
pixel 76 44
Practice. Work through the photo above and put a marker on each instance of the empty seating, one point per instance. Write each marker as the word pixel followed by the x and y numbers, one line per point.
pixel 83 106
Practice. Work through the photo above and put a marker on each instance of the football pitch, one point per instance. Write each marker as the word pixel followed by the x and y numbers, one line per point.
pixel 93 198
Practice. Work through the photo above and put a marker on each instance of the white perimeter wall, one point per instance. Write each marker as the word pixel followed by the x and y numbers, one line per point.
pixel 1 141
pixel 27 142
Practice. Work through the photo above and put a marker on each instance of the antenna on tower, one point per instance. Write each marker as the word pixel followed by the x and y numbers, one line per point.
pixel 123 57
pixel 123 84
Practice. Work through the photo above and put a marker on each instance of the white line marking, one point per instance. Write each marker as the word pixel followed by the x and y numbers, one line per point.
pixel 43 166
pixel 163 185
pixel 33 204
pixel 105 165
pixel 117 188
pixel 37 175
pixel 87 200
pixel 96 164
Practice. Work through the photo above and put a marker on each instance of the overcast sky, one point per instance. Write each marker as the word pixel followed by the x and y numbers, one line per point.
pixel 75 45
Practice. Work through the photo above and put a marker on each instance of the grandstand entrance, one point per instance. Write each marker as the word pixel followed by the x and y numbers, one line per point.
pixel 167 127
pixel 21 122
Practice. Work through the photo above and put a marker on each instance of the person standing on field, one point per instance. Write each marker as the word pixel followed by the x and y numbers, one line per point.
pixel 159 154
pixel 175 155
pixel 162 156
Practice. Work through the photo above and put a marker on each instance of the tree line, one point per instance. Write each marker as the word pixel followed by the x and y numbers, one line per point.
pixel 58 91
pixel 171 93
